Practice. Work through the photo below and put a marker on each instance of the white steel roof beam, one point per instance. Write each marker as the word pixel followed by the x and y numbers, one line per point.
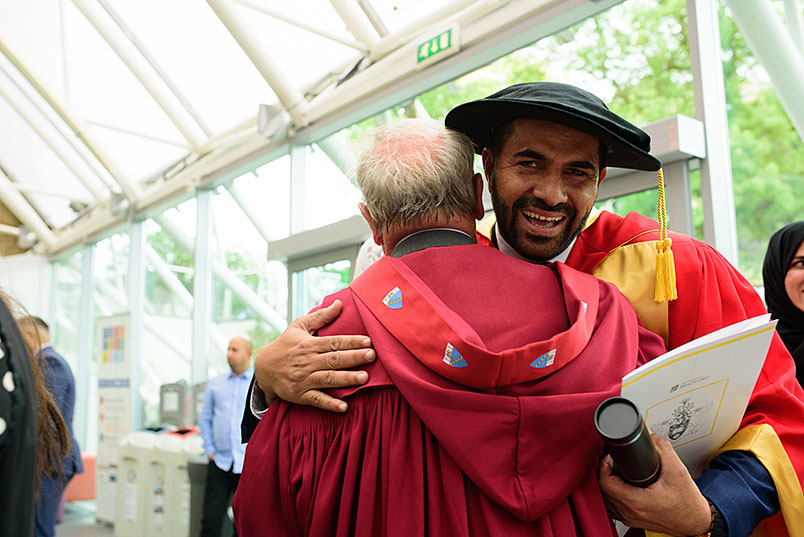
pixel 291 98
pixel 26 214
pixel 356 22
pixel 144 72
pixel 130 189
pixel 49 191
pixel 50 136
pixel 774 48
pixel 373 17
pixel 795 22
pixel 276 14
pixel 140 135
pixel 10 230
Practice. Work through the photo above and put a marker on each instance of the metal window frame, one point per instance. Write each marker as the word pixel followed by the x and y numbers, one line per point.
pixel 86 333
pixel 136 309
pixel 717 188
pixel 300 264
pixel 202 287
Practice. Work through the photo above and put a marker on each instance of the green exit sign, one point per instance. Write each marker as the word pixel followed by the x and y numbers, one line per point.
pixel 440 46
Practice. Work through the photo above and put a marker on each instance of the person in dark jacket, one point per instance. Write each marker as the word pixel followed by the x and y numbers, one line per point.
pixel 61 385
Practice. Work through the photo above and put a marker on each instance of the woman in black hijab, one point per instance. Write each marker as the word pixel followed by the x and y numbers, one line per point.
pixel 783 273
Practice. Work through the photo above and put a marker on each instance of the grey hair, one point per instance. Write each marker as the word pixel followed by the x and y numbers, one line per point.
pixel 414 171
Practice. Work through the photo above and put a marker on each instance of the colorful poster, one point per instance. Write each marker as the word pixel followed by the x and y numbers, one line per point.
pixel 115 417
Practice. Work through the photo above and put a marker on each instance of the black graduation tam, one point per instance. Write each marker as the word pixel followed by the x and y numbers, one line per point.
pixel 628 146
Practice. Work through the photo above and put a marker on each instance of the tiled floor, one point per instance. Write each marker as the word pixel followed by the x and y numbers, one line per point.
pixel 79 521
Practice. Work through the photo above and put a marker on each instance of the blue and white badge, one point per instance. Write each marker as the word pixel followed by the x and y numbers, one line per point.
pixel 393 299
pixel 454 358
pixel 544 360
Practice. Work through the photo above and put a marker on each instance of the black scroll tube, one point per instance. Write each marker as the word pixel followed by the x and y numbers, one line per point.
pixel 628 441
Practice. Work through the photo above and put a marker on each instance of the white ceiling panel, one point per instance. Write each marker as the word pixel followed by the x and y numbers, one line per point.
pixel 202 60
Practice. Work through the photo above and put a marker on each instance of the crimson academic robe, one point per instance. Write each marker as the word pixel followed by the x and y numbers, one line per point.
pixel 419 453
pixel 711 295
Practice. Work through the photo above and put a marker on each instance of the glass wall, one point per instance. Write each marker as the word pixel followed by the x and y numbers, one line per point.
pixel 64 327
pixel 641 202
pixel 318 275
pixel 168 307
pixel 249 293
pixel 110 277
pixel 330 192
pixel 311 285
pixel 265 195
pixel 766 152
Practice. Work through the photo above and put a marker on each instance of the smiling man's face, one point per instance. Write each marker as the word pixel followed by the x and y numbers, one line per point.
pixel 543 185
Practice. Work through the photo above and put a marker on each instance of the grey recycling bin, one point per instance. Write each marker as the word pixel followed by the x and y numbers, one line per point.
pixel 197 468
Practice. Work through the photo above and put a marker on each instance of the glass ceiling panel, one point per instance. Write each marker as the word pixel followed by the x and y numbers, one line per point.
pixel 18 144
pixel 102 87
pixel 140 158
pixel 200 57
pixel 304 57
pixel 31 30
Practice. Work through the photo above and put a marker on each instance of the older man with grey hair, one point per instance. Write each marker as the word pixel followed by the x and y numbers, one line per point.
pixel 448 436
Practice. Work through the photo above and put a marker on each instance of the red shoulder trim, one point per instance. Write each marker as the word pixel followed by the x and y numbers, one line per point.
pixel 390 290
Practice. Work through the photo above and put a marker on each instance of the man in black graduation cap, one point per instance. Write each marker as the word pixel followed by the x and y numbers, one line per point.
pixel 545 149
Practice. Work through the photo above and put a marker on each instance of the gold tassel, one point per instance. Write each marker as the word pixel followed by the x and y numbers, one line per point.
pixel 665 288
pixel 665 272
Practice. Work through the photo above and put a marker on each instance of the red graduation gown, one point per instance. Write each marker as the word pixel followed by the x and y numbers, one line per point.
pixel 419 454
pixel 711 295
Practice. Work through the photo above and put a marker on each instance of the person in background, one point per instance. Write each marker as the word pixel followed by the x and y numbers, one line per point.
pixel 61 385
pixel 783 275
pixel 369 252
pixel 221 410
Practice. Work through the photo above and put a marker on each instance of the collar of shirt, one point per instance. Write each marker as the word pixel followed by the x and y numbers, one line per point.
pixel 426 238
pixel 247 374
pixel 42 347
pixel 507 249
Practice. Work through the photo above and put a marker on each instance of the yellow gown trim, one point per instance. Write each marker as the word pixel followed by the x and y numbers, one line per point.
pixel 761 440
pixel 632 268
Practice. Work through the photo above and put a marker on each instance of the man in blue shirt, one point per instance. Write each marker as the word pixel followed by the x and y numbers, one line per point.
pixel 221 410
